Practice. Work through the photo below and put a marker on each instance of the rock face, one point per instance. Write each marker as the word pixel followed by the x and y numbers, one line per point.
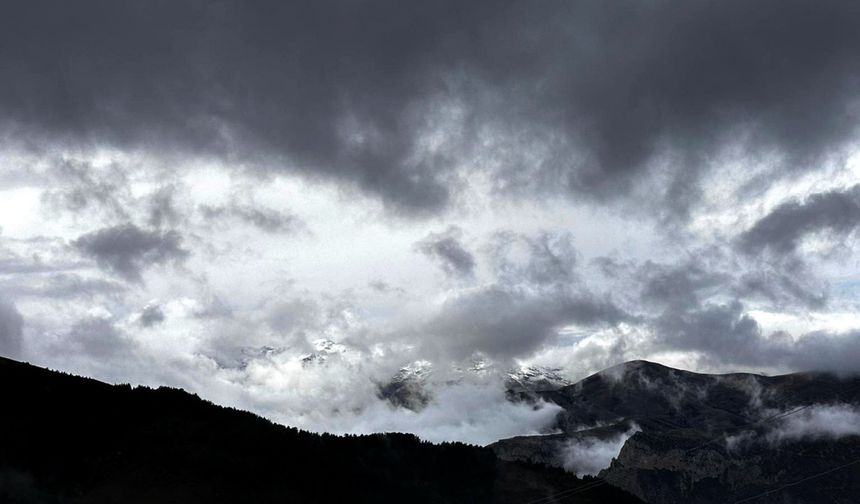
pixel 708 438
pixel 664 468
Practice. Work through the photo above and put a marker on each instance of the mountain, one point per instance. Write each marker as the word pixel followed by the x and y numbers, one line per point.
pixel 530 379
pixel 700 438
pixel 65 439
pixel 408 387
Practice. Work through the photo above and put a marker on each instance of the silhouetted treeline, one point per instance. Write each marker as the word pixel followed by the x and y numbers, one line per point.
pixel 69 439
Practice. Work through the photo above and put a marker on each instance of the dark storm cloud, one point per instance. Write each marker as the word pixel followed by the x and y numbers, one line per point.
pixel 724 334
pixel 583 97
pixel 11 330
pixel 822 350
pixel 265 219
pixel 127 249
pixel 783 289
pixel 702 306
pixel 536 293
pixel 513 321
pixel 781 230
pixel 677 285
pixel 714 272
pixel 720 331
pixel 447 249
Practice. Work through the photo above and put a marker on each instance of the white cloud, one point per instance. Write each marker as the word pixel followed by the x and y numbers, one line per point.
pixel 821 421
pixel 588 456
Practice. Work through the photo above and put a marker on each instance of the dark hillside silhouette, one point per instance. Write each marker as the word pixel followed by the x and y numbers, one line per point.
pixel 65 439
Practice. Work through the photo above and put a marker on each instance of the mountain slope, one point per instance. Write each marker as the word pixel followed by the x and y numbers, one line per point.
pixel 66 439
pixel 707 438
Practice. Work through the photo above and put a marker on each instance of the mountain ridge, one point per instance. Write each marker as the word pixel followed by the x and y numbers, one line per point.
pixel 681 436
pixel 71 440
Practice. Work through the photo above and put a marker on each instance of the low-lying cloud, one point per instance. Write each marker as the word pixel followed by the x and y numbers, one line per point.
pixel 588 456
pixel 821 421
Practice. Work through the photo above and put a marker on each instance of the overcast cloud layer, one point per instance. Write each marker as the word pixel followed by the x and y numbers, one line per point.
pixel 279 205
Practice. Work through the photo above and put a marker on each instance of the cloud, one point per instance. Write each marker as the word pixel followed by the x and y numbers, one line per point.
pixel 265 219
pixel 447 249
pixel 703 306
pixel 95 337
pixel 63 286
pixel 721 331
pixel 821 421
pixel 582 98
pixel 542 258
pixel 590 455
pixel 535 293
pixel 725 334
pixel 678 285
pixel 151 315
pixel 163 209
pixel 783 289
pixel 127 249
pixel 11 330
pixel 470 413
pixel 505 322
pixel 79 186
pixel 577 127
pixel 782 230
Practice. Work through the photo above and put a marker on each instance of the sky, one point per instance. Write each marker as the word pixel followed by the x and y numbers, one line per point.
pixel 280 205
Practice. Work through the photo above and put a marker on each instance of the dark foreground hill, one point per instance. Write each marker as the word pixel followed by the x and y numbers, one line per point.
pixel 711 439
pixel 65 439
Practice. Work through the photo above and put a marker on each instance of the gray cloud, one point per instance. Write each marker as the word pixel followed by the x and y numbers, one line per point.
pixel 11 330
pixel 63 286
pixel 536 293
pixel 723 332
pixel 127 249
pixel 585 98
pixel 78 187
pixel 677 285
pixel 715 271
pixel 550 257
pixel 151 315
pixel 511 321
pixel 782 289
pixel 819 350
pixel 96 339
pixel 782 229
pixel 725 335
pixel 151 125
pixel 700 306
pixel 447 249
pixel 162 208
pixel 265 219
